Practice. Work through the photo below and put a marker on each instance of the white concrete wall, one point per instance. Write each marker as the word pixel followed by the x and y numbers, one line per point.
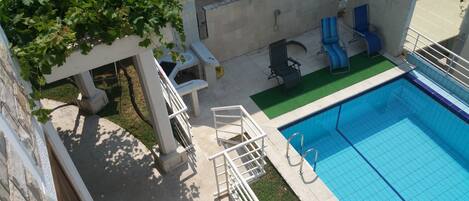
pixel 189 19
pixel 236 27
pixel 390 17
pixel 461 46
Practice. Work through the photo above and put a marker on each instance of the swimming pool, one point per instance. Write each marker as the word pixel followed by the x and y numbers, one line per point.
pixel 392 143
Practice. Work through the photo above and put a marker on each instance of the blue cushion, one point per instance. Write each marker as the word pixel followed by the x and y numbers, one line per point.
pixel 361 25
pixel 333 57
pixel 333 27
pixel 361 18
pixel 341 54
pixel 373 42
pixel 337 56
pixel 330 39
pixel 329 30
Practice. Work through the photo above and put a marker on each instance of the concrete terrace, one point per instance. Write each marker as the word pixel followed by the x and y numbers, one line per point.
pixel 116 166
pixel 247 74
pixel 440 20
pixel 126 166
pixel 158 146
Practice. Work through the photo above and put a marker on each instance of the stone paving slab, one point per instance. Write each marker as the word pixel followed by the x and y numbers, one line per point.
pixel 116 166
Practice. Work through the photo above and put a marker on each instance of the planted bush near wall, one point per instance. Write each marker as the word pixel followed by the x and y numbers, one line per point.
pixel 43 33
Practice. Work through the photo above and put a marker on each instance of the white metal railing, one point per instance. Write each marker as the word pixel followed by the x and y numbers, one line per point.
pixel 243 162
pixel 237 166
pixel 305 154
pixel 450 63
pixel 238 188
pixel 302 142
pixel 178 107
pixel 237 117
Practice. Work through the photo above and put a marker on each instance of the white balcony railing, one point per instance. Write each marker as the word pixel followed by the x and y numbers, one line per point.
pixel 177 106
pixel 448 62
pixel 243 162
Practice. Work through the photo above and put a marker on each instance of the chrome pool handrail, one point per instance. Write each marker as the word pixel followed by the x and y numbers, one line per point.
pixel 303 156
pixel 291 138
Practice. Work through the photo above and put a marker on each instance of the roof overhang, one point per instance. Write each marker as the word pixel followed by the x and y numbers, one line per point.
pixel 103 54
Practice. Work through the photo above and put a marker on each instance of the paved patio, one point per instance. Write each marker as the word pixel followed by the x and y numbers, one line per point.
pixel 116 166
pixel 439 20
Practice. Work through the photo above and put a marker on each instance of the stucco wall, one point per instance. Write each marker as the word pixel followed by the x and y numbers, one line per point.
pixel 461 47
pixel 189 19
pixel 236 27
pixel 23 153
pixel 390 17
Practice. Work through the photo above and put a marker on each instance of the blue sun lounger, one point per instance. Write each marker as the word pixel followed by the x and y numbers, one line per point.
pixel 331 45
pixel 362 29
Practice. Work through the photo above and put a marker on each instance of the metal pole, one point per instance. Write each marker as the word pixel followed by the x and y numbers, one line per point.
pixel 416 41
pixel 215 125
pixel 226 174
pixel 450 65
pixel 216 177
pixel 242 128
pixel 262 153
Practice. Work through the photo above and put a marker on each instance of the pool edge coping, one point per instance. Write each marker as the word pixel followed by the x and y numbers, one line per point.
pixel 437 96
pixel 276 152
pixel 340 96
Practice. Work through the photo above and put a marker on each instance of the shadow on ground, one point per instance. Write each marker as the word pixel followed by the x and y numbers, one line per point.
pixel 116 166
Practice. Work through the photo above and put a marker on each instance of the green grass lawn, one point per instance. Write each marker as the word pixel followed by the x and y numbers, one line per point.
pixel 277 101
pixel 272 187
pixel 119 109
pixel 62 91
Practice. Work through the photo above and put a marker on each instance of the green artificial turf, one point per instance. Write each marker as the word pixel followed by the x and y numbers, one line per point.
pixel 277 101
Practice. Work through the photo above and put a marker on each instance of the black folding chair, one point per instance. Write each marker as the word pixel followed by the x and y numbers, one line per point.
pixel 283 66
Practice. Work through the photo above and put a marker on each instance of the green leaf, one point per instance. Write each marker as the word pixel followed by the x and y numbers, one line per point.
pixel 27 2
pixel 42 115
pixel 41 80
pixel 145 42
pixel 44 33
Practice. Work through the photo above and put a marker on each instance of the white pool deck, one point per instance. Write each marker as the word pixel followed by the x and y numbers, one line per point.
pixel 247 75
pixel 437 19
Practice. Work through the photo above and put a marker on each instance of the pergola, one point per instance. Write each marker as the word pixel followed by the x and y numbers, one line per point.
pixel 91 99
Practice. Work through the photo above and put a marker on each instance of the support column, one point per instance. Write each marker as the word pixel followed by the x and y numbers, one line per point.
pixel 90 98
pixel 195 103
pixel 171 153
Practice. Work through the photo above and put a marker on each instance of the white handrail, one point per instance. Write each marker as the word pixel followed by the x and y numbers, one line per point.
pixel 171 92
pixel 303 156
pixel 454 65
pixel 232 107
pixel 437 44
pixel 244 113
pixel 179 108
pixel 291 138
pixel 235 147
pixel 245 186
pixel 249 153
pixel 235 181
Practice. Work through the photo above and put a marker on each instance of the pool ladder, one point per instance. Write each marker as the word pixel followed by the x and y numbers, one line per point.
pixel 291 138
pixel 316 155
pixel 304 153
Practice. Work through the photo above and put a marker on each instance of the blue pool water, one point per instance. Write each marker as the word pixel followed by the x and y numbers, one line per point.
pixel 392 143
